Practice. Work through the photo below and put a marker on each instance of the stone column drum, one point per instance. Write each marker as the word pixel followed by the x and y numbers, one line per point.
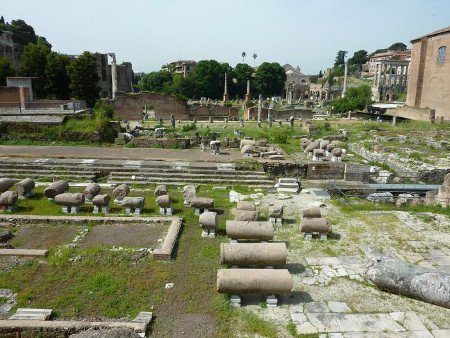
pixel 253 254
pixel 250 230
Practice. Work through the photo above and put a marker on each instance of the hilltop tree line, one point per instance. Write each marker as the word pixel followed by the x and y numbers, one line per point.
pixel 60 77
pixel 208 80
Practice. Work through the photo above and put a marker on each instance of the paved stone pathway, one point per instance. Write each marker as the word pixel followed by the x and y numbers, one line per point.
pixel 335 319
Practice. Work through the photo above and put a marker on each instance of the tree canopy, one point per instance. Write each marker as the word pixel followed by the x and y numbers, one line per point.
pixel 23 33
pixel 83 75
pixel 6 69
pixel 359 58
pixel 398 46
pixel 270 79
pixel 356 98
pixel 340 58
pixel 57 80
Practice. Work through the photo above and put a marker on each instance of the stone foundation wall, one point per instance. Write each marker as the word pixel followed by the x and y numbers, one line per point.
pixel 252 114
pixel 325 170
pixel 131 106
pixel 200 111
pixel 419 114
pixel 175 143
pixel 285 169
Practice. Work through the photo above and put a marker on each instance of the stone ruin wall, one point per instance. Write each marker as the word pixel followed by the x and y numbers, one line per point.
pixel 203 112
pixel 252 114
pixel 130 106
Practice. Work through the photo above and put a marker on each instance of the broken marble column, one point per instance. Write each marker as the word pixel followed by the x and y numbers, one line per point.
pixel 160 190
pixel 165 205
pixel 410 280
pixel 246 215
pixel 311 146
pixel 101 202
pixel 267 282
pixel 202 204
pixel 312 212
pixel 121 191
pixel 208 222
pixel 318 154
pixel 311 226
pixel 276 214
pixel 189 192
pixel 91 190
pixel 254 230
pixel 253 254
pixel 336 155
pixel 70 202
pixel 8 200
pixel 133 205
pixel 56 188
pixel 25 188
pixel 5 184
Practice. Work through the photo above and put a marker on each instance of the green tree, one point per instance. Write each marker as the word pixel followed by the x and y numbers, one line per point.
pixel 209 76
pixel 340 58
pixel 242 72
pixel 381 50
pixel 83 75
pixel 23 33
pixel 270 79
pixel 156 81
pixel 398 46
pixel 43 41
pixel 182 87
pixel 359 58
pixel 356 98
pixel 6 69
pixel 33 63
pixel 57 80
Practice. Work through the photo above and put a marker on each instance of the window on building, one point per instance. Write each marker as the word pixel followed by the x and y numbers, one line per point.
pixel 442 55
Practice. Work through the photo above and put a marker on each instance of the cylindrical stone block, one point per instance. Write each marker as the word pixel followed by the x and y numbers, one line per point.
pixel 247 142
pixel 163 201
pixel 121 191
pixel 320 225
pixel 323 144
pixel 311 146
pixel 202 203
pixel 246 205
pixel 250 230
pixel 101 200
pixel 70 199
pixel 337 152
pixel 248 149
pixel 305 143
pixel 8 198
pixel 25 186
pixel 56 188
pixel 133 202
pixel 5 184
pixel 254 281
pixel 246 215
pixel 92 190
pixel 208 220
pixel 161 190
pixel 432 286
pixel 312 212
pixel 253 254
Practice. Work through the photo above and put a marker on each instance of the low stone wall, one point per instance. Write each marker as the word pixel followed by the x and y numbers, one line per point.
pixel 302 113
pixel 131 106
pixel 325 170
pixel 285 169
pixel 171 143
pixel 419 114
pixel 200 111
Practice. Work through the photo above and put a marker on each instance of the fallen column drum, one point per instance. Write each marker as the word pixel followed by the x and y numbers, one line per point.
pixel 410 280
pixel 320 225
pixel 163 201
pixel 8 198
pixel 25 186
pixel 121 191
pixel 253 254
pixel 70 199
pixel 101 200
pixel 250 230
pixel 208 220
pixel 312 212
pixel 92 190
pixel 5 184
pixel 56 188
pixel 254 281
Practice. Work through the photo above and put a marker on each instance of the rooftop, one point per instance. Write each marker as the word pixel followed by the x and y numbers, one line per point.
pixel 438 32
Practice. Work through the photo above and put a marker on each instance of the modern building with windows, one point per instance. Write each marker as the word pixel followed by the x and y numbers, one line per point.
pixel 429 76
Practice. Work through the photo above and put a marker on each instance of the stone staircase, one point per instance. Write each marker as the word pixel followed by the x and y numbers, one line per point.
pixel 132 172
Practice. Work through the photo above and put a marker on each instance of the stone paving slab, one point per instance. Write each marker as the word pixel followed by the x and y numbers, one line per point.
pixel 340 322
pixel 23 252
pixel 322 260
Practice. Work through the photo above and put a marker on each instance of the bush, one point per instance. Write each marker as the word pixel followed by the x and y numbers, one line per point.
pixel 188 127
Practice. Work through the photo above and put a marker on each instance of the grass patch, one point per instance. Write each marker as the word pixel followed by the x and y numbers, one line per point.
pixel 3 300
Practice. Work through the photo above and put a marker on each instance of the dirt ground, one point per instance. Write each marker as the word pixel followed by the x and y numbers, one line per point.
pixel 42 236
pixel 135 235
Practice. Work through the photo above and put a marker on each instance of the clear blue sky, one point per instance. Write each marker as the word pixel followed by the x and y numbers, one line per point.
pixel 150 33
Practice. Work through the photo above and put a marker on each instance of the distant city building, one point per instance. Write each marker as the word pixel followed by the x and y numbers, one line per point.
pixel 297 84
pixel 429 75
pixel 9 48
pixel 371 66
pixel 184 67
